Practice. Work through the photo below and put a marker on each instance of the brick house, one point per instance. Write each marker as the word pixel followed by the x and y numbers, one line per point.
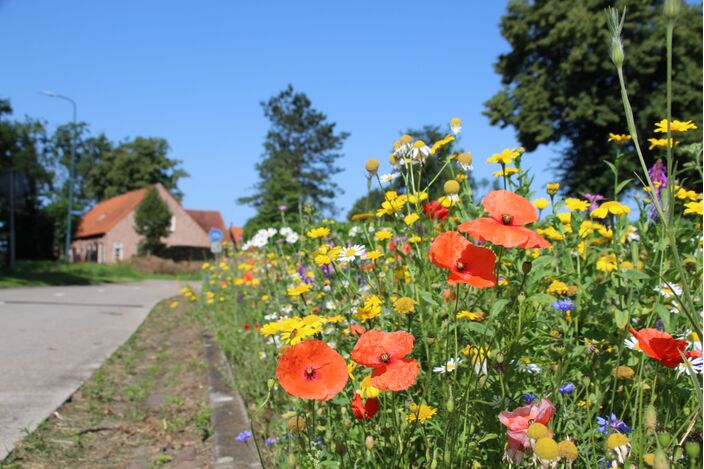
pixel 106 233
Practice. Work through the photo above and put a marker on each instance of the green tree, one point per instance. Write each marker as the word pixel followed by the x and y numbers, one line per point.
pixel 559 85
pixel 152 220
pixel 300 150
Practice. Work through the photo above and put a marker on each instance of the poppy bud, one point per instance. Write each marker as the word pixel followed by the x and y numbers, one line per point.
pixel 664 439
pixel 617 54
pixel 451 187
pixel 270 383
pixel 660 460
pixel 650 419
pixel 450 405
pixel 369 442
pixel 372 166
pixel 692 448
pixel 526 267
pixel 500 356
pixel 671 9
pixel 340 448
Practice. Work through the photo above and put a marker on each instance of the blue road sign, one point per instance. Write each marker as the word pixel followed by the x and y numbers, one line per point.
pixel 215 235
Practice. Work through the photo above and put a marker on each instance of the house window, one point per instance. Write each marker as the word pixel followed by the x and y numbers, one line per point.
pixel 116 251
pixel 172 228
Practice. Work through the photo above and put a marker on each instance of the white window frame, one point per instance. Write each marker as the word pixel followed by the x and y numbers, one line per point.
pixel 118 252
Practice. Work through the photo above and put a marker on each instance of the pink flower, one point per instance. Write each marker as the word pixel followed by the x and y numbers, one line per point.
pixel 520 419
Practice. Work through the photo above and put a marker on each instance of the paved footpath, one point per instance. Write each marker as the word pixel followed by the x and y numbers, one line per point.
pixel 53 338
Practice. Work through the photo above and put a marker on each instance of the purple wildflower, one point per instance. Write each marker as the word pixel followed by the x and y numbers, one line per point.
pixel 659 177
pixel 272 440
pixel 567 388
pixel 529 398
pixel 607 426
pixel 593 198
pixel 563 305
pixel 244 436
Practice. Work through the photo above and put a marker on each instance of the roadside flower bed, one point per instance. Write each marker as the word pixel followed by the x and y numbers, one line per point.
pixel 522 327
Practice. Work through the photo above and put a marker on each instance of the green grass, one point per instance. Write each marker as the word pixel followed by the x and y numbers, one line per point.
pixel 43 273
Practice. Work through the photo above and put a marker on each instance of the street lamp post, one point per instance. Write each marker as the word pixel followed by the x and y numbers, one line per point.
pixel 72 165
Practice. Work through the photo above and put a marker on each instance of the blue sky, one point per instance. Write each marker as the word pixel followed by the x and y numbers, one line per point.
pixel 195 73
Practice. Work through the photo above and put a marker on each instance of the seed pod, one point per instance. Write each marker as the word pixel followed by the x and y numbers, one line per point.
pixel 526 267
pixel 451 187
pixel 671 9
pixel 692 449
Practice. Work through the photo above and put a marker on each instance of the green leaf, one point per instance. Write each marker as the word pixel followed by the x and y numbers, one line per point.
pixel 633 275
pixel 663 314
pixel 498 306
pixel 487 437
pixel 427 297
pixel 621 317
pixel 622 184
pixel 542 298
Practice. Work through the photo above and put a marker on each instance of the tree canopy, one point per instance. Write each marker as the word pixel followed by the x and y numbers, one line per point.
pixel 559 85
pixel 300 151
pixel 152 220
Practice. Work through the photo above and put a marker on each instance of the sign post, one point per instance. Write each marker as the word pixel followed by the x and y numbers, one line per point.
pixel 215 236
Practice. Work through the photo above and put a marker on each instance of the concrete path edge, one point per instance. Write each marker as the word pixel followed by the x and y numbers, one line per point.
pixel 229 414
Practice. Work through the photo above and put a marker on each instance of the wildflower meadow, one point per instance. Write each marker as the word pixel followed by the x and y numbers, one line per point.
pixel 521 326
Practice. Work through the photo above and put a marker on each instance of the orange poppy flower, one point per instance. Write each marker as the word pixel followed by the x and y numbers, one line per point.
pixel 312 370
pixel 660 346
pixel 364 410
pixel 466 262
pixel 509 212
pixel 385 353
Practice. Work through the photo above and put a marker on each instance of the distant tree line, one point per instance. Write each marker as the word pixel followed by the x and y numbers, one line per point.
pixel 104 168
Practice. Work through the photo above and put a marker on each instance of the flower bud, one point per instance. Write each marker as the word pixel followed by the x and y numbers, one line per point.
pixel 526 267
pixel 369 442
pixel 617 55
pixel 451 187
pixel 664 439
pixel 692 449
pixel 671 9
pixel 372 166
pixel 340 448
pixel 650 419
pixel 660 460
pixel 270 383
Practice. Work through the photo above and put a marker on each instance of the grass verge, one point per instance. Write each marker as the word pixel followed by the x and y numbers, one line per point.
pixel 147 406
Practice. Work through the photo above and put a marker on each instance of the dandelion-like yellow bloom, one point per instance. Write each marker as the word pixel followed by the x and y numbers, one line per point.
pixel 417 197
pixel 470 316
pixel 565 217
pixel 684 194
pixel 618 138
pixel 382 235
pixel 370 308
pixel 613 207
pixel 576 205
pixel 404 305
pixel 606 263
pixel 374 255
pixel 660 143
pixel 411 219
pixel 299 290
pixel 174 304
pixel 551 233
pixel 506 172
pixel 557 288
pixel 552 187
pixel 505 157
pixel 437 146
pixel 319 232
pixel 415 239
pixel 420 413
pixel 693 207
pixel 366 390
pixel 675 126
pixel 541 203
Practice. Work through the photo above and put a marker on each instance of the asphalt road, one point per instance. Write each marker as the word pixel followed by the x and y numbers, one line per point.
pixel 53 338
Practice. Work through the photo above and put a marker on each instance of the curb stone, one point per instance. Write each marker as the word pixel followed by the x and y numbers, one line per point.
pixel 229 414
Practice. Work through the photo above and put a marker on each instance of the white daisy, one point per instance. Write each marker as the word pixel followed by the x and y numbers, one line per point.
pixel 668 290
pixel 531 368
pixel 456 125
pixel 448 367
pixel 351 253
pixel 389 177
pixel 354 231
pixel 632 343
pixel 330 305
pixel 695 363
pixel 420 151
pixel 292 237
pixel 285 231
pixel 632 234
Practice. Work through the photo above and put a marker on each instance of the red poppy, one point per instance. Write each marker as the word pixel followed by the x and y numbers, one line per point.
pixel 435 211
pixel 385 353
pixel 405 249
pixel 245 326
pixel 356 329
pixel 466 262
pixel 312 370
pixel 518 421
pixel 509 212
pixel 364 410
pixel 448 295
pixel 248 276
pixel 660 346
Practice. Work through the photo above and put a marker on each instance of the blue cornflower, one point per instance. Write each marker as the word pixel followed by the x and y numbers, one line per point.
pixel 529 398
pixel 271 441
pixel 563 305
pixel 566 388
pixel 244 436
pixel 613 423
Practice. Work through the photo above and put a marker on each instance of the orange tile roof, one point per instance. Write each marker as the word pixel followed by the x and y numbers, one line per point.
pixel 108 212
pixel 208 219
pixel 236 234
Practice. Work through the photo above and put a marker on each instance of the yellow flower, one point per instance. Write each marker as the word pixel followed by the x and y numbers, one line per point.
pixel 299 290
pixel 456 125
pixel 552 188
pixel 565 217
pixel 326 254
pixel 420 412
pixel 693 207
pixel 411 219
pixel 404 305
pixel 370 308
pixel 505 157
pixel 541 203
pixel 366 390
pixel 660 143
pixel 478 316
pixel 557 288
pixel 351 366
pixel 441 143
pixel 506 172
pixel 613 207
pixel 382 235
pixel 415 239
pixel 551 233
pixel 174 304
pixel 606 263
pixel 416 197
pixel 460 177
pixel 362 216
pixel 576 205
pixel 393 203
pixel 373 255
pixel 618 138
pixel 684 194
pixel 318 232
pixel 675 126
